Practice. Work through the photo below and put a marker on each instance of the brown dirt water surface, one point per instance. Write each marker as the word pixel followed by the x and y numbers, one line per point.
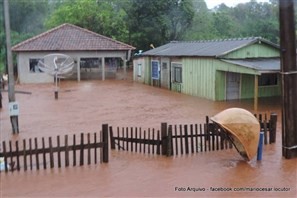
pixel 85 106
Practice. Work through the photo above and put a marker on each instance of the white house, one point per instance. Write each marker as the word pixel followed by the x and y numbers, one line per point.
pixel 95 56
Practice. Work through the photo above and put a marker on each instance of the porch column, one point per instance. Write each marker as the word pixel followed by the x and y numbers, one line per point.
pixel 103 68
pixel 256 94
pixel 125 69
pixel 78 69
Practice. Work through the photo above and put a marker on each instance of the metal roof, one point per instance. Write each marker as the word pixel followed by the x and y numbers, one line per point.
pixel 70 37
pixel 210 48
pixel 263 65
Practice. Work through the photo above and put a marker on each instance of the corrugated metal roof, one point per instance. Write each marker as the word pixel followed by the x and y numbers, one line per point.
pixel 211 48
pixel 69 37
pixel 261 64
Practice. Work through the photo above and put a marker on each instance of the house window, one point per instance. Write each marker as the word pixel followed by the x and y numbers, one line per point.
pixel 155 70
pixel 33 65
pixel 176 73
pixel 267 79
pixel 139 71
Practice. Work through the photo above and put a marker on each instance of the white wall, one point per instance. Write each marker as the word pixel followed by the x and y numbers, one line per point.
pixel 136 77
pixel 25 76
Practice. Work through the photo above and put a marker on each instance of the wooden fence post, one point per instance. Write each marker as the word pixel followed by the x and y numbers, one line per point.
pixel 105 142
pixel 272 128
pixel 164 138
pixel 169 141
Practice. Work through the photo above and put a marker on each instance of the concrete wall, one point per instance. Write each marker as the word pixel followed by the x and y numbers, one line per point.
pixel 25 76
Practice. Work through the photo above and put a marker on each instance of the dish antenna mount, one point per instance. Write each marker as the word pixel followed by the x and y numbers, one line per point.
pixel 57 65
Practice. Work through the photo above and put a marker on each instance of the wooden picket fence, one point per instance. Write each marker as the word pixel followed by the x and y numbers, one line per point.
pixel 28 154
pixel 169 140
pixel 182 139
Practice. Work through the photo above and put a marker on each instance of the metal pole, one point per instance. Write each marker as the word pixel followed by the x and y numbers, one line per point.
pixel 289 78
pixel 11 92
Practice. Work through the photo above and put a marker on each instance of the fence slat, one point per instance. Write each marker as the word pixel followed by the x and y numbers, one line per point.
pixel 95 149
pixel 17 155
pixel 148 145
pixel 44 154
pixel 153 139
pixel 74 150
pixel 89 149
pixel 136 143
pixel 265 132
pixel 36 154
pixel 5 156
pixel 59 152
pixel 201 137
pixel 186 139
pixel 196 138
pixel 131 136
pixel 119 141
pixel 159 144
pixel 81 155
pixel 181 139
pixel 140 144
pixel 164 137
pixel 112 140
pixel 30 154
pixel 144 137
pixel 272 128
pixel 24 155
pixel 192 138
pixel 66 151
pixel 51 153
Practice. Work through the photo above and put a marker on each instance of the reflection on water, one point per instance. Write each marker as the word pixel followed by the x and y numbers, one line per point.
pixel 121 103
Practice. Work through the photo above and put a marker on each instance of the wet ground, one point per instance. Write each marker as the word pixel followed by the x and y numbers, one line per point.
pixel 84 106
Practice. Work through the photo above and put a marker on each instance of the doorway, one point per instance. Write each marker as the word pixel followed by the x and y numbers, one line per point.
pixel 232 86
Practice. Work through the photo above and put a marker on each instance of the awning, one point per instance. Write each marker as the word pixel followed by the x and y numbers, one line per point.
pixel 263 65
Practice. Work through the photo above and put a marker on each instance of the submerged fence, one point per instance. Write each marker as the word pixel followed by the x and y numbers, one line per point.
pixel 182 139
pixel 169 140
pixel 33 153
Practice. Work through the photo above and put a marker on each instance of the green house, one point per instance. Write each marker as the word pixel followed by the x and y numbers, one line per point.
pixel 216 69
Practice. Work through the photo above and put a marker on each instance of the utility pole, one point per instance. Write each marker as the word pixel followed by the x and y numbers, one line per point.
pixel 289 78
pixel 13 105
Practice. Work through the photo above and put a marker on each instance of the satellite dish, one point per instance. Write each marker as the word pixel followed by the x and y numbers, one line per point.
pixel 242 128
pixel 57 65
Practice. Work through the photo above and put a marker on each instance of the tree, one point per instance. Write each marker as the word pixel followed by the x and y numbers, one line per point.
pixel 103 17
pixel 202 27
pixel 257 19
pixel 157 21
pixel 26 20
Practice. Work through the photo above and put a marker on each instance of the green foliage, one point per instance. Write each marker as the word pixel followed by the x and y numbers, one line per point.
pixel 26 20
pixel 98 16
pixel 143 22
pixel 157 21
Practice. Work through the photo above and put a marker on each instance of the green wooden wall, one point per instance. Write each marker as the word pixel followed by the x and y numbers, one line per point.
pixel 254 51
pixel 220 83
pixel 206 77
pixel 198 77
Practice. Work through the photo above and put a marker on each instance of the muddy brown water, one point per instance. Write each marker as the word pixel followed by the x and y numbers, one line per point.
pixel 85 106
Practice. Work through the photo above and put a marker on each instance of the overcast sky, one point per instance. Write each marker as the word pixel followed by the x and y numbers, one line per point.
pixel 229 3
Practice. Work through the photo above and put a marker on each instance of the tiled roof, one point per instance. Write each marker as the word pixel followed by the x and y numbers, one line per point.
pixel 70 38
pixel 210 48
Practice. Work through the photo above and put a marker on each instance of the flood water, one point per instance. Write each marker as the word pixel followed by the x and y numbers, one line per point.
pixel 84 106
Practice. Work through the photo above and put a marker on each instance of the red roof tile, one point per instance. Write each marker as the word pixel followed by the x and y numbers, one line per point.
pixel 69 37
